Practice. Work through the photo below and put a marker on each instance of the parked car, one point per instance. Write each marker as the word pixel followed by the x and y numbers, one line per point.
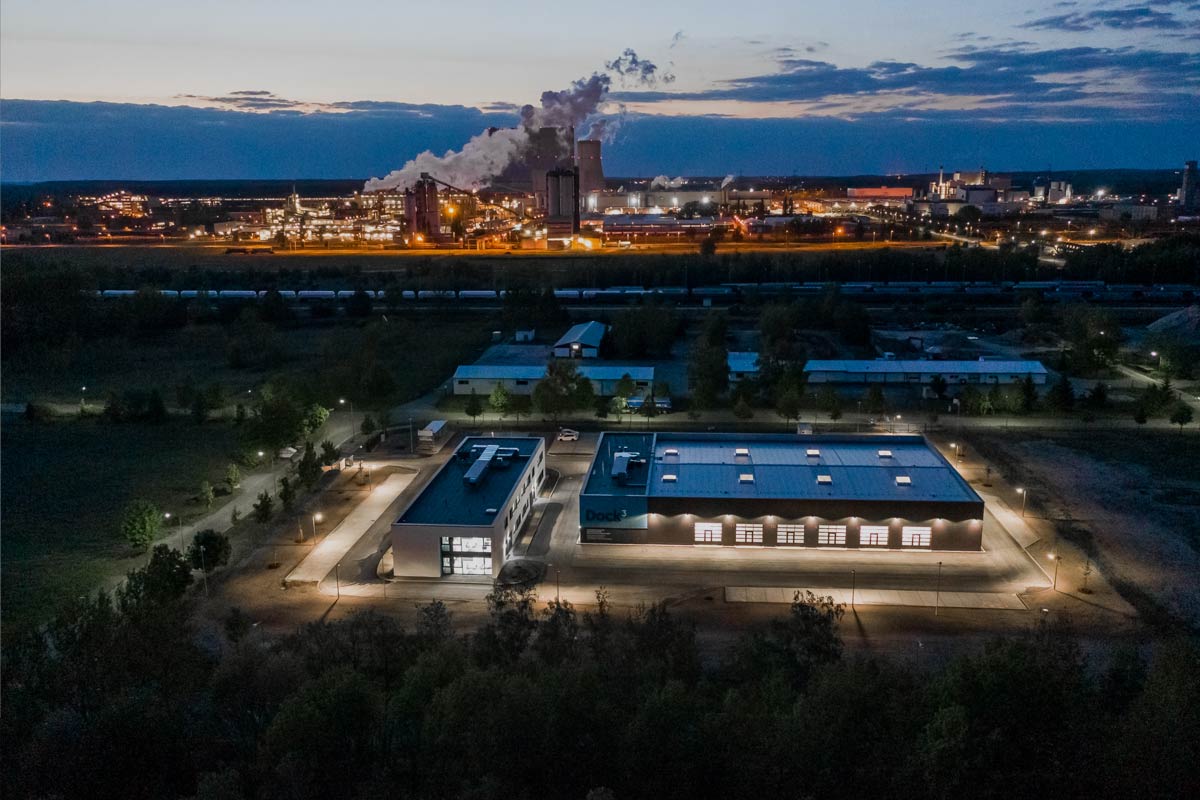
pixel 568 435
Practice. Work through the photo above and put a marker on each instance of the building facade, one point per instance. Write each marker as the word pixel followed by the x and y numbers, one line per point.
pixel 923 372
pixel 521 379
pixel 777 490
pixel 466 520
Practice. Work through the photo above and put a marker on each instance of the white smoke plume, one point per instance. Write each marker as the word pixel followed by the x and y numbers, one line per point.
pixel 489 153
pixel 663 182
pixel 728 180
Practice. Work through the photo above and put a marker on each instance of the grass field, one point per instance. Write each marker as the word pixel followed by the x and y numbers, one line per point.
pixel 419 352
pixel 65 486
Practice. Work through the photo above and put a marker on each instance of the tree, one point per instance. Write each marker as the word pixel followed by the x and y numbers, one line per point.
pixel 873 400
pixel 623 391
pixel 140 523
pixel 1061 396
pixel 788 405
pixel 563 390
pixel 263 508
pixel 233 477
pixel 938 384
pixel 209 550
pixel 742 410
pixel 519 405
pixel 970 214
pixel 1097 397
pixel 474 406
pixel 207 495
pixel 359 304
pixel 1140 416
pixel 329 453
pixel 237 625
pixel 368 425
pixel 708 371
pixel 793 648
pixel 309 469
pixel 199 408
pixel 1029 395
pixel 500 399
pixel 602 406
pixel 708 246
pixel 287 493
pixel 162 582
pixel 1181 414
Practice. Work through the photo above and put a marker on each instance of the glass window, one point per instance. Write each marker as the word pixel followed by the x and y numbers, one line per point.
pixel 708 533
pixel 748 533
pixel 469 544
pixel 472 565
pixel 873 536
pixel 913 536
pixel 831 535
pixel 790 535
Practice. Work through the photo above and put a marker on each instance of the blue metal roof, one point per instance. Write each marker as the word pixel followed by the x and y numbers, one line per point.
pixel 449 500
pixel 524 372
pixel 709 466
pixel 585 333
pixel 927 367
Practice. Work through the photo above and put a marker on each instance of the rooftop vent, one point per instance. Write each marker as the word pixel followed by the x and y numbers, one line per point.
pixel 746 477
pixel 491 511
pixel 741 452
pixel 478 470
pixel 903 480
pixel 670 451
pixel 885 453
pixel 623 462
pixel 824 479
pixel 812 452
pixel 669 478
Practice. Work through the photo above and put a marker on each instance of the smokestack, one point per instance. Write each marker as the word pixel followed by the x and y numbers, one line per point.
pixel 591 169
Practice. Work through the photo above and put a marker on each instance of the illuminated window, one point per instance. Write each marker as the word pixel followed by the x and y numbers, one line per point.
pixel 873 536
pixel 792 535
pixel 708 533
pixel 914 536
pixel 748 533
pixel 831 535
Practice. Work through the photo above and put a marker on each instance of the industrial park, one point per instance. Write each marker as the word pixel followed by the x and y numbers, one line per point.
pixel 510 402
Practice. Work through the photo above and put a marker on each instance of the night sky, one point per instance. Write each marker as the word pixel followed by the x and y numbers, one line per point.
pixel 302 89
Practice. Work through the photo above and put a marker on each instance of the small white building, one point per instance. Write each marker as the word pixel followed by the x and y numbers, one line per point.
pixel 522 378
pixel 526 336
pixel 922 372
pixel 581 341
pixel 742 366
pixel 468 517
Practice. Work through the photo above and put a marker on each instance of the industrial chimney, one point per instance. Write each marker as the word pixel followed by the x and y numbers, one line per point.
pixel 591 171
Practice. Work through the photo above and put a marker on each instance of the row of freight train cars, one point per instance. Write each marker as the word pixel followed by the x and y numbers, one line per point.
pixel 729 293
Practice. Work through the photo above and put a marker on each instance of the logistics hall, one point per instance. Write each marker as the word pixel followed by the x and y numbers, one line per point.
pixel 464 522
pixel 777 490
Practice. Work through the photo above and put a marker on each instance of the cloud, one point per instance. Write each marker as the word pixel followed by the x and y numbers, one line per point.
pixel 1140 17
pixel 1016 79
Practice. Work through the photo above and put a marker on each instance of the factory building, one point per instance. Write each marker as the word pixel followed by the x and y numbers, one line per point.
pixel 591 169
pixel 919 373
pixel 777 490
pixel 581 341
pixel 521 379
pixel 421 211
pixel 562 203
pixel 742 366
pixel 1189 188
pixel 466 520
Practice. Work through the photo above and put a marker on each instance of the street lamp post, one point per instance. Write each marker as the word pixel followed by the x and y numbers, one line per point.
pixel 179 519
pixel 1054 557
pixel 937 597
pixel 410 436
pixel 337 581
pixel 82 398
pixel 853 586
pixel 1024 498
pixel 317 517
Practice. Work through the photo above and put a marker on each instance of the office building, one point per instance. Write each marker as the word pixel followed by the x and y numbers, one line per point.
pixel 466 520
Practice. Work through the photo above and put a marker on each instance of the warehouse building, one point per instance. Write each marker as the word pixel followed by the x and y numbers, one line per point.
pixel 465 521
pixel 777 490
pixel 581 341
pixel 521 378
pixel 923 372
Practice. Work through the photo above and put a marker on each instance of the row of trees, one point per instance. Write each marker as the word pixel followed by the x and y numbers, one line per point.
pixel 117 697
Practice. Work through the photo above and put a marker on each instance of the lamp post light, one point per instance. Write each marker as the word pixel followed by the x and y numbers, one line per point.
pixel 317 517
pixel 853 587
pixel 179 520
pixel 82 398
pixel 1024 498
pixel 937 597
pixel 1054 557
pixel 337 581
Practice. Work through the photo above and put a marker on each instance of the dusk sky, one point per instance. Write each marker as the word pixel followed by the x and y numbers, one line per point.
pixel 256 89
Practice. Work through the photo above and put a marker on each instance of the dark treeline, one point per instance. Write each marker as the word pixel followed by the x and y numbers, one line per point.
pixel 120 697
